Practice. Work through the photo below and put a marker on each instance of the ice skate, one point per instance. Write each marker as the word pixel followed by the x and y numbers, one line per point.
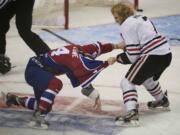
pixel 5 64
pixel 10 99
pixel 160 105
pixel 38 121
pixel 131 119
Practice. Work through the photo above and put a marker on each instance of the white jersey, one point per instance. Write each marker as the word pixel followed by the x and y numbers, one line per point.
pixel 141 38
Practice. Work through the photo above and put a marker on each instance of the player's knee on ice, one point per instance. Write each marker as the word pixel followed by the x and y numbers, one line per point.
pixel 90 92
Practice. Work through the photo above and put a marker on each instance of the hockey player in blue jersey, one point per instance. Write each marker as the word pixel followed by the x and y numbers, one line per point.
pixel 72 60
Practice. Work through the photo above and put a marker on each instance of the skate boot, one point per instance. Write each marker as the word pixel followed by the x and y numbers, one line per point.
pixel 131 119
pixel 38 121
pixel 162 104
pixel 10 99
pixel 5 64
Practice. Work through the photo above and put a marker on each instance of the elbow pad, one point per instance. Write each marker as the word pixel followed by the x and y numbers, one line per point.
pixel 123 59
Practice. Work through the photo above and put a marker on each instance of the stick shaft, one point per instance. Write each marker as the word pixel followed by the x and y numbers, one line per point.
pixel 58 36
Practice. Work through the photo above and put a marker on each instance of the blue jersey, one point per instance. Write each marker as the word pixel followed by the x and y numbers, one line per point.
pixel 74 61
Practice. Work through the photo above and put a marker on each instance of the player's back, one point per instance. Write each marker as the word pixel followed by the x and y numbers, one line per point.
pixel 141 38
pixel 139 28
pixel 75 62
pixel 64 60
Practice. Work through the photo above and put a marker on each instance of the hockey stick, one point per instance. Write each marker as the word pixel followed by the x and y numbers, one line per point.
pixel 178 39
pixel 58 36
pixel 66 40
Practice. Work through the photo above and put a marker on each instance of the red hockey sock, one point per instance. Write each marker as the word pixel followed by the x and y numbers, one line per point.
pixel 47 98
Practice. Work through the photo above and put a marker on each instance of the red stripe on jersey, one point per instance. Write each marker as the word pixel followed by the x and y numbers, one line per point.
pixel 133 49
pixel 153 44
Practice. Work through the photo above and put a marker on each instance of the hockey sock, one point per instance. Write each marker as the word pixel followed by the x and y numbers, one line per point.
pixel 130 99
pixel 130 96
pixel 29 102
pixel 154 88
pixel 48 96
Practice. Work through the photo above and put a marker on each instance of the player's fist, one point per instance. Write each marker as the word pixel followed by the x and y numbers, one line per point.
pixel 120 45
pixel 97 104
pixel 111 60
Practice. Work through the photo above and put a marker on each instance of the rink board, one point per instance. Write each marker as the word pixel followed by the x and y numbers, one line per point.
pixel 167 25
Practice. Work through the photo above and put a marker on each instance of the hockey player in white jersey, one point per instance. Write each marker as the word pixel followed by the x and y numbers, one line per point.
pixel 148 52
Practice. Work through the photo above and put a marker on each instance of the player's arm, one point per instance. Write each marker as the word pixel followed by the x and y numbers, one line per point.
pixel 122 57
pixel 120 45
pixel 107 47
pixel 111 60
pixel 94 50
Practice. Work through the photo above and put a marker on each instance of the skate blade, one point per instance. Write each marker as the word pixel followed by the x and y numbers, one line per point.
pixel 36 125
pixel 132 123
pixel 160 109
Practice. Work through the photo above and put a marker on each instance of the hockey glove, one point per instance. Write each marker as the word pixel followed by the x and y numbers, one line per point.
pixel 123 59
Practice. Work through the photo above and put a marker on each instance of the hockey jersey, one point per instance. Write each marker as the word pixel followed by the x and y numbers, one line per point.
pixel 141 38
pixel 74 61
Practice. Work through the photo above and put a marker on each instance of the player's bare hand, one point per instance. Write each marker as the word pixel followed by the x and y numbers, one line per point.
pixel 97 104
pixel 120 45
pixel 111 60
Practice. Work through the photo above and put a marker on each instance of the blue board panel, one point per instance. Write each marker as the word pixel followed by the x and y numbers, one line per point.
pixel 167 25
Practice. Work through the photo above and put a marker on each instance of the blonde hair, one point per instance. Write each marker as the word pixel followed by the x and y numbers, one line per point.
pixel 123 9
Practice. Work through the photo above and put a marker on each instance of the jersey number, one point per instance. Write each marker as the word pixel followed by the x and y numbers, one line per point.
pixel 145 19
pixel 60 51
